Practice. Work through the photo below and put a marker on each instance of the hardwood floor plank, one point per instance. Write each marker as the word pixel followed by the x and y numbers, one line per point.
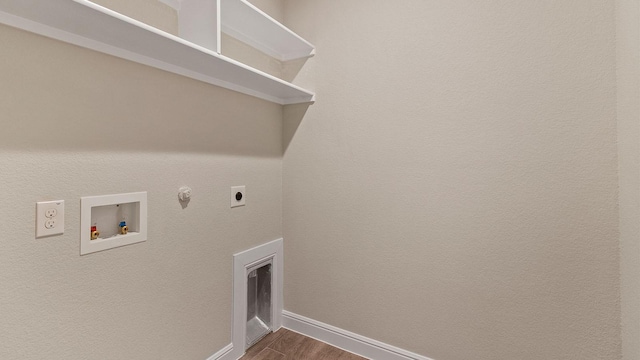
pixel 328 352
pixel 287 342
pixel 262 344
pixel 308 348
pixel 349 356
pixel 268 354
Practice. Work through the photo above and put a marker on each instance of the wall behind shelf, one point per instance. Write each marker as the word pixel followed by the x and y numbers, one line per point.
pixel 273 8
pixel 249 55
pixel 150 12
pixel 77 122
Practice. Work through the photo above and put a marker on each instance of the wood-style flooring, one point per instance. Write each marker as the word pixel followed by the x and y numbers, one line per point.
pixel 288 345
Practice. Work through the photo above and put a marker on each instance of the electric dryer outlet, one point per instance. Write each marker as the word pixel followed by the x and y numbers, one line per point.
pixel 238 196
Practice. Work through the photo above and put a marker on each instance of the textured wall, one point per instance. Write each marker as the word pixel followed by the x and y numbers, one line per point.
pixel 78 123
pixel 247 54
pixel 151 12
pixel 628 55
pixel 453 191
pixel 274 8
pixel 237 50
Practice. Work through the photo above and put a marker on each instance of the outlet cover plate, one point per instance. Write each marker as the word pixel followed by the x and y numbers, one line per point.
pixel 49 218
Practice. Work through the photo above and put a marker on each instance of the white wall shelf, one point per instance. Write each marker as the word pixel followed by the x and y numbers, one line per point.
pixel 92 26
pixel 247 23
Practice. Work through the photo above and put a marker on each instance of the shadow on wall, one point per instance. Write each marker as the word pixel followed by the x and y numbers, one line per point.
pixel 56 96
pixel 290 69
pixel 292 117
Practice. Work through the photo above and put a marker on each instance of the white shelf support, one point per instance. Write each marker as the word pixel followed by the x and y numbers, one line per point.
pixel 199 23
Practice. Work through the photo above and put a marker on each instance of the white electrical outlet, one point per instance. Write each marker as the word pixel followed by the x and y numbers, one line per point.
pixel 49 218
pixel 50 223
pixel 238 196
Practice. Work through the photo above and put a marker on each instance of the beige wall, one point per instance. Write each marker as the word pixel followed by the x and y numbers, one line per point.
pixel 249 55
pixel 151 12
pixel 246 54
pixel 628 59
pixel 78 123
pixel 274 8
pixel 453 191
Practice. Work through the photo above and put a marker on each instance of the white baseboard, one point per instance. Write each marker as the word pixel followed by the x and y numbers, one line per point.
pixel 346 340
pixel 224 354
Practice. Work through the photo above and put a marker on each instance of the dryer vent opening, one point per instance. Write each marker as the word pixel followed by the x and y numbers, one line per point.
pixel 259 322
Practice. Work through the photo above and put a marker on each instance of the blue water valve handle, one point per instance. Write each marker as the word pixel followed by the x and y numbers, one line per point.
pixel 123 223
